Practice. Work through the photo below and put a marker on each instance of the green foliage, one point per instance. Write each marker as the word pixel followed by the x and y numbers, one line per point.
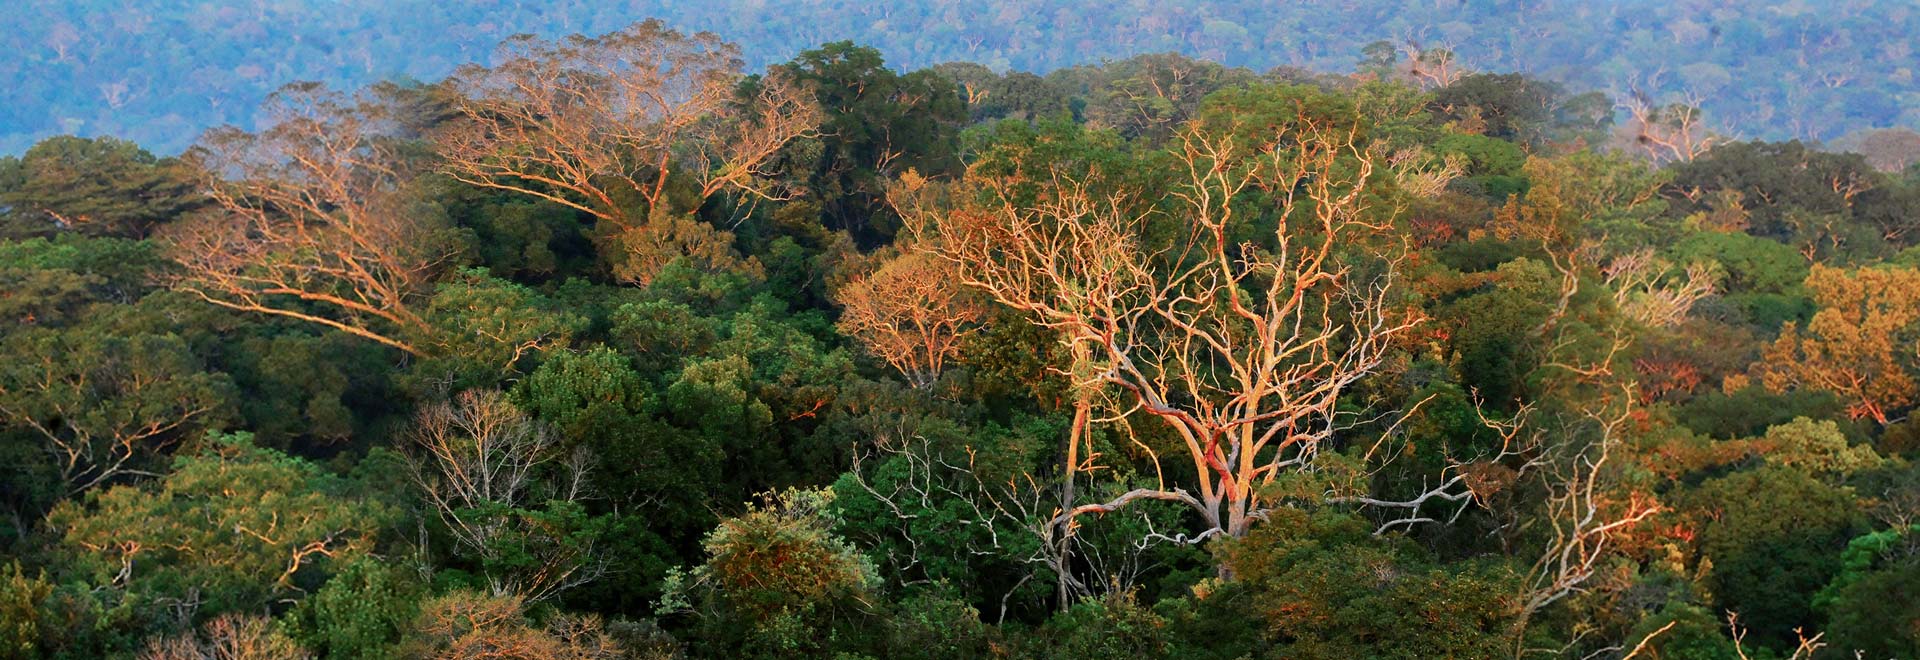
pixel 597 401
pixel 1695 634
pixel 1485 156
pixel 233 527
pixel 1494 325
pixel 1763 276
pixel 776 579
pixel 1113 627
pixel 302 386
pixel 1511 106
pixel 104 403
pixel 1751 411
pixel 878 123
pixel 943 537
pixel 1323 587
pixel 1873 613
pixel 360 612
pixel 52 281
pixel 1818 448
pixel 937 628
pixel 1789 194
pixel 94 187
pixel 20 612
pixel 484 328
pixel 1769 538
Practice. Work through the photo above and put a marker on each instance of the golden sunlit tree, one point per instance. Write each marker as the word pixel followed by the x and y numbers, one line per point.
pixel 1860 345
pixel 313 221
pixel 1236 312
pixel 913 312
pixel 604 124
pixel 464 624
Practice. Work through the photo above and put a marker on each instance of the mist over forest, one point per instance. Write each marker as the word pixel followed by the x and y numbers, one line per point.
pixel 159 72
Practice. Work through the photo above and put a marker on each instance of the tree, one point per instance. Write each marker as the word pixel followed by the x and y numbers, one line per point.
pixel 1150 96
pixel 465 624
pixel 911 312
pixel 596 400
pixel 1320 586
pixel 1773 537
pixel 1511 106
pixel 1890 150
pixel 361 611
pixel 483 328
pixel 106 403
pixel 1676 132
pixel 232 528
pixel 875 123
pixel 1858 346
pixel 97 187
pixel 600 124
pixel 1788 192
pixel 775 578
pixel 1236 315
pixel 313 222
pixel 230 637
pixel 508 495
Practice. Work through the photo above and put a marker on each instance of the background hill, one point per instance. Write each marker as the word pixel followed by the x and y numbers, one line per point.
pixel 161 71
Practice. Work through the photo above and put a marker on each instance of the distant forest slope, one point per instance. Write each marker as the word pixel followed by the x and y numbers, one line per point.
pixel 161 71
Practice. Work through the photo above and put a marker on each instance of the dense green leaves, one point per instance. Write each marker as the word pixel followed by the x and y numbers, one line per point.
pixel 233 527
pixel 663 443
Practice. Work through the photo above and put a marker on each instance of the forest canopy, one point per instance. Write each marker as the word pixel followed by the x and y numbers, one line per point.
pixel 641 343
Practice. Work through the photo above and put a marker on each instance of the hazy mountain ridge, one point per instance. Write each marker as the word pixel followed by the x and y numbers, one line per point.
pixel 160 73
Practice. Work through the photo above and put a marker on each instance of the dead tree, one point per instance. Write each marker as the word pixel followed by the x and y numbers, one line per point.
pixel 1667 133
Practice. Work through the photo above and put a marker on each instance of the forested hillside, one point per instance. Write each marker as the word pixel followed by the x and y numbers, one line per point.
pixel 615 346
pixel 160 72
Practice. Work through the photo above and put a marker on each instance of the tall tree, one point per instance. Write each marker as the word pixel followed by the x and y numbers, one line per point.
pixel 99 187
pixel 313 222
pixel 602 124
pixel 1236 314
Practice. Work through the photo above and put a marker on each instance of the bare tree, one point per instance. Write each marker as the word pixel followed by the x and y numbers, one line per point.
pixel 1241 344
pixel 479 461
pixel 1431 67
pixel 599 124
pixel 312 221
pixel 1666 133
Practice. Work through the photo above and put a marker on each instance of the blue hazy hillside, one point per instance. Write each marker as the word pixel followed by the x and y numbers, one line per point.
pixel 160 71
